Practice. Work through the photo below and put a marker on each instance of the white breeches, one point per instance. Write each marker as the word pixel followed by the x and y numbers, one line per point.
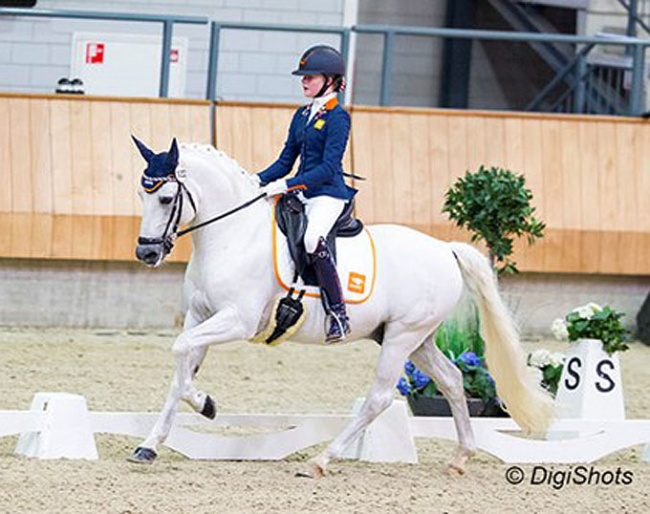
pixel 322 212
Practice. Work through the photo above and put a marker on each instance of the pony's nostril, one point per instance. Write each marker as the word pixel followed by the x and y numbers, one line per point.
pixel 146 254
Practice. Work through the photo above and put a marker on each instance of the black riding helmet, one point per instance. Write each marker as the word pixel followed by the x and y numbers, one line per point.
pixel 322 60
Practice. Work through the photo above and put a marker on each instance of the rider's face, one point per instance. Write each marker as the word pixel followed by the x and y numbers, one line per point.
pixel 311 85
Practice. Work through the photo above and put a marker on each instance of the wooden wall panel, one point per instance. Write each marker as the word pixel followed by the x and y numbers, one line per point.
pixel 421 195
pixel 252 134
pixel 590 211
pixel 70 173
pixel 361 137
pixel 581 171
pixel 439 167
pixel 6 171
pixel 20 157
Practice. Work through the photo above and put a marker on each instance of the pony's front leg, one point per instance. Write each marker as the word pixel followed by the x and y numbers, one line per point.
pixel 223 327
pixel 198 400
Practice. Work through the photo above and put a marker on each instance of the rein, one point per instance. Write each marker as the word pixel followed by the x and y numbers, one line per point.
pixel 220 216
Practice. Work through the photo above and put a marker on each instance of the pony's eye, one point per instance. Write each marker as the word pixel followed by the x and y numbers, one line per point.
pixel 165 200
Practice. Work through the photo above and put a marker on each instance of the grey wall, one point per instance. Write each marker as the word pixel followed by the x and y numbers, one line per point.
pixel 416 69
pixel 254 66
pixel 128 295
pixel 48 293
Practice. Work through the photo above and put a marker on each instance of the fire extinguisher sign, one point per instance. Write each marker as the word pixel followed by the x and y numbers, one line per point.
pixel 94 53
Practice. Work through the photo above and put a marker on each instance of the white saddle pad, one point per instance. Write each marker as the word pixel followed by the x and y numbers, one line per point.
pixel 356 265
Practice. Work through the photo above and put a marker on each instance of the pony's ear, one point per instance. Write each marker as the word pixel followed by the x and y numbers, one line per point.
pixel 144 151
pixel 172 156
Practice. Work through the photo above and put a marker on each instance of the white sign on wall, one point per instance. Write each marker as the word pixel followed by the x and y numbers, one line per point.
pixel 114 64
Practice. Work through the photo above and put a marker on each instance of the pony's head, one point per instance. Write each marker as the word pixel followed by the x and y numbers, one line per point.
pixel 166 203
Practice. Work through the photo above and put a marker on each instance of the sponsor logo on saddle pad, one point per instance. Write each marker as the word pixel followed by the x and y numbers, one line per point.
pixel 356 265
pixel 356 282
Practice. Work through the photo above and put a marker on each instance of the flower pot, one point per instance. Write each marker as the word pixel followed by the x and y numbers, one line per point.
pixel 438 406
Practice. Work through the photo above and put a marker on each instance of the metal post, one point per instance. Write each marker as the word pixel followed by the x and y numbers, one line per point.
pixel 211 89
pixel 580 87
pixel 165 62
pixel 387 65
pixel 213 62
pixel 636 96
pixel 633 10
pixel 345 50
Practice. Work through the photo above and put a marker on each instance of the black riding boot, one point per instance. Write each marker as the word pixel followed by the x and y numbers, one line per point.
pixel 328 280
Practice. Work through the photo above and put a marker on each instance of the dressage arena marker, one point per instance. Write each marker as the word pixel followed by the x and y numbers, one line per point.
pixel 590 387
pixel 60 426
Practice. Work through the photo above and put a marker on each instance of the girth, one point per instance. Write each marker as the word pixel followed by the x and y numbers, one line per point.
pixel 292 221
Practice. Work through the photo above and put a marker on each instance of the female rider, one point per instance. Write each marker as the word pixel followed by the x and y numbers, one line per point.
pixel 319 135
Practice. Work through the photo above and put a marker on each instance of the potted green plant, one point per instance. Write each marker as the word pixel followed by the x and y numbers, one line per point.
pixel 495 205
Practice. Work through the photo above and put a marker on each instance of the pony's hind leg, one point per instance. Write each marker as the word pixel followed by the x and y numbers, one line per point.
pixel 449 379
pixel 398 343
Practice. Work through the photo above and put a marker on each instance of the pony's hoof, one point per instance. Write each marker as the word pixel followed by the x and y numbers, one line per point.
pixel 142 456
pixel 454 470
pixel 317 468
pixel 209 408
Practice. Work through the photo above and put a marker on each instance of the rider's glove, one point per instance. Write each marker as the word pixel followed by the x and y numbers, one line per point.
pixel 277 187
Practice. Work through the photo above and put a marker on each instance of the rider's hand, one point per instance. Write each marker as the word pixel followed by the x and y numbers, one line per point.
pixel 277 187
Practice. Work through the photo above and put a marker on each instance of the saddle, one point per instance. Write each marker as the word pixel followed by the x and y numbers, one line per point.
pixel 292 222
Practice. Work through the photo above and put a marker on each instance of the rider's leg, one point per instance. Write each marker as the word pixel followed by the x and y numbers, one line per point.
pixel 322 213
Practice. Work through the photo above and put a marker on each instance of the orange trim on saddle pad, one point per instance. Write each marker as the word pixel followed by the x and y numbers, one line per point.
pixel 357 283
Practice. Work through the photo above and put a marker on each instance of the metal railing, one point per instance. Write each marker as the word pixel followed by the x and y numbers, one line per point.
pixel 215 33
pixel 583 44
pixel 636 46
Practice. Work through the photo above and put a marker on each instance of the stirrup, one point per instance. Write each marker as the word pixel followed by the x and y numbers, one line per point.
pixel 338 328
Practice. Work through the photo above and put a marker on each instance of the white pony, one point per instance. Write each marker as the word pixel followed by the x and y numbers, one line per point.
pixel 230 284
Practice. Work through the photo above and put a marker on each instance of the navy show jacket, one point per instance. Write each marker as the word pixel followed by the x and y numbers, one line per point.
pixel 320 143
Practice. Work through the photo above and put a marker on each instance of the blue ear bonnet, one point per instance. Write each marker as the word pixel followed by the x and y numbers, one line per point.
pixel 160 168
pixel 159 171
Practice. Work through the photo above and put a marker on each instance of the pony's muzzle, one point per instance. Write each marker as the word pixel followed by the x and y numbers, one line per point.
pixel 150 254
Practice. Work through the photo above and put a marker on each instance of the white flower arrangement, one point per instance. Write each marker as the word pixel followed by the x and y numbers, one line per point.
pixel 560 332
pixel 550 365
pixel 542 357
pixel 591 321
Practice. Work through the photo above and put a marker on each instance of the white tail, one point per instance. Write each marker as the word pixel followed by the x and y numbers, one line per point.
pixel 527 403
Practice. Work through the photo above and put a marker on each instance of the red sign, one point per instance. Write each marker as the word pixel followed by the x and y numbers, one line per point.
pixel 173 55
pixel 94 53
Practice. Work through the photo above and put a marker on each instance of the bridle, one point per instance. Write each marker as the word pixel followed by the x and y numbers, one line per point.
pixel 169 236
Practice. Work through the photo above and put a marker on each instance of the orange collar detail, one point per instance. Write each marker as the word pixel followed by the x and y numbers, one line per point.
pixel 330 104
